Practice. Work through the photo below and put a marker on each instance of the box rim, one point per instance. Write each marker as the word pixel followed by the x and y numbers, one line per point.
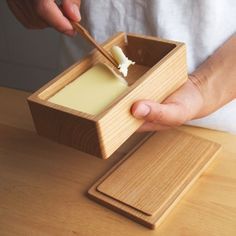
pixel 36 99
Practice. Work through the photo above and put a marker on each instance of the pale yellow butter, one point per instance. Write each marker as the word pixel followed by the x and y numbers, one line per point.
pixel 92 91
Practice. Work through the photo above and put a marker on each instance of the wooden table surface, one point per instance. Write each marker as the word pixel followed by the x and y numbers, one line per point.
pixel 43 186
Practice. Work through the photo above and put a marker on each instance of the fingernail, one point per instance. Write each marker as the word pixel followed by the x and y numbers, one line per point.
pixel 141 111
pixel 76 11
pixel 70 33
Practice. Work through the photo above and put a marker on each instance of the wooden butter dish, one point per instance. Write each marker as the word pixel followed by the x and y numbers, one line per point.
pixel 159 70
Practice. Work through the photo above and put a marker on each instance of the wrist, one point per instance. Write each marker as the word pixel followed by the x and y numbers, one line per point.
pixel 201 81
pixel 195 85
pixel 215 77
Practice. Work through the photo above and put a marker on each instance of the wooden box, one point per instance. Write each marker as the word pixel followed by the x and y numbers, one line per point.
pixel 159 70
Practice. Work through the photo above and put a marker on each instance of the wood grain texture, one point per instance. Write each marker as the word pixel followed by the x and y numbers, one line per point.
pixel 156 84
pixel 66 128
pixel 103 134
pixel 149 182
pixel 43 185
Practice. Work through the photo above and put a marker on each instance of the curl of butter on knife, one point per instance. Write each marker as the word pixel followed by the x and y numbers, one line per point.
pixel 121 59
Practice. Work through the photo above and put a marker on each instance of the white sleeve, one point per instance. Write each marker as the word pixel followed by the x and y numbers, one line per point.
pixel 223 119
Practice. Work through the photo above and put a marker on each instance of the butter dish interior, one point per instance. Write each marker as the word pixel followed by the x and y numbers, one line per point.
pixel 145 54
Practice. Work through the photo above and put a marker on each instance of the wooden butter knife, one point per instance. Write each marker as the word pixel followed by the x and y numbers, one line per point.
pixel 79 28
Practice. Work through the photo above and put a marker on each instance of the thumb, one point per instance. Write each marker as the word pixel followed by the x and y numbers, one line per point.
pixel 171 114
pixel 71 9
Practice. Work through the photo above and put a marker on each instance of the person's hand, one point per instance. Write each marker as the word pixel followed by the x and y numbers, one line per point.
pixel 183 105
pixel 39 14
pixel 209 87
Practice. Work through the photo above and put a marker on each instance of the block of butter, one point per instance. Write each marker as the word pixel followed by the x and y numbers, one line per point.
pixel 92 91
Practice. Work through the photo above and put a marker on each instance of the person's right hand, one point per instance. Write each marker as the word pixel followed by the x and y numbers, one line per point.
pixel 39 14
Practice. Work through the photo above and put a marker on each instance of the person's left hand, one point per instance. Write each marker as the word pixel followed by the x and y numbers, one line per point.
pixel 183 105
